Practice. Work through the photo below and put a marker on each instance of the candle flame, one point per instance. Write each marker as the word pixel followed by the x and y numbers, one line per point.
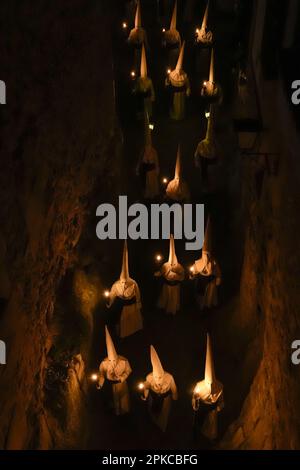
pixel 141 386
pixel 124 25
pixel 158 257
pixel 106 293
pixel 168 71
pixel 133 73
pixel 94 377
pixel 164 30
pixel 192 269
pixel 165 180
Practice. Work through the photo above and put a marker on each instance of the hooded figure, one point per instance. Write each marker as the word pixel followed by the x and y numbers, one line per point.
pixel 160 389
pixel 116 370
pixel 204 37
pixel 137 36
pixel 127 293
pixel 171 37
pixel 172 274
pixel 210 90
pixel 177 189
pixel 179 84
pixel 143 89
pixel 207 274
pixel 207 400
pixel 206 152
pixel 149 165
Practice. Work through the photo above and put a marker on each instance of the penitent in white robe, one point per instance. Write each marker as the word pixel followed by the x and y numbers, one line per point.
pixel 117 373
pixel 160 396
pixel 180 87
pixel 131 319
pixel 211 404
pixel 208 272
pixel 169 299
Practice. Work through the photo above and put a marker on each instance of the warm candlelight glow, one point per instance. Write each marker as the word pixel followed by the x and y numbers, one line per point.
pixel 133 73
pixel 164 30
pixel 197 389
pixel 165 180
pixel 192 269
pixel 168 71
pixel 158 257
pixel 204 83
pixel 141 386
pixel 94 377
pixel 151 126
pixel 124 25
pixel 197 30
pixel 207 114
pixel 106 293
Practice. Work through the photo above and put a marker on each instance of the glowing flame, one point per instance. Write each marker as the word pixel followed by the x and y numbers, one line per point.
pixel 94 377
pixel 197 30
pixel 106 293
pixel 165 180
pixel 164 30
pixel 207 114
pixel 192 269
pixel 158 257
pixel 151 126
pixel 133 73
pixel 141 386
pixel 205 83
pixel 124 25
pixel 168 71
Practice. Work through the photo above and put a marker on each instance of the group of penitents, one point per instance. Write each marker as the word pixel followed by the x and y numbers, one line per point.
pixel 159 388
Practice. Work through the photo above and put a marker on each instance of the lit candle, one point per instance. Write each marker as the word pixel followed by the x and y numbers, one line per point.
pixel 106 293
pixel 151 126
pixel 158 258
pixel 133 74
pixel 197 30
pixel 192 269
pixel 207 114
pixel 141 386
pixel 165 180
pixel 168 71
pixel 204 83
pixel 94 377
pixel 164 30
pixel 124 25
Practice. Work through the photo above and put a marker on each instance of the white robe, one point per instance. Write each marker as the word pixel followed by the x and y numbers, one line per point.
pixel 166 386
pixel 116 372
pixel 181 89
pixel 206 269
pixel 169 299
pixel 204 395
pixel 131 319
pixel 178 190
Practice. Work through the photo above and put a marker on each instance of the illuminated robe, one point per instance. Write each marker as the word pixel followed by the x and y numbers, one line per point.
pixel 159 389
pixel 173 274
pixel 207 400
pixel 204 37
pixel 179 86
pixel 127 292
pixel 206 152
pixel 149 165
pixel 143 89
pixel 177 189
pixel 115 369
pixel 207 274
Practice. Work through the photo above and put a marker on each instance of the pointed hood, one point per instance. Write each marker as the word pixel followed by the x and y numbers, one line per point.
pixel 172 254
pixel 125 271
pixel 212 68
pixel 143 71
pixel 207 238
pixel 157 368
pixel 148 136
pixel 205 17
pixel 138 18
pixel 178 163
pixel 209 376
pixel 173 24
pixel 110 348
pixel 180 58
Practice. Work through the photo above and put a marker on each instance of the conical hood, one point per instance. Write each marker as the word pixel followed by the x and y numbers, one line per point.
pixel 207 237
pixel 178 163
pixel 157 368
pixel 209 377
pixel 212 67
pixel 110 348
pixel 180 58
pixel 125 271
pixel 138 18
pixel 143 63
pixel 172 254
pixel 173 24
pixel 205 17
